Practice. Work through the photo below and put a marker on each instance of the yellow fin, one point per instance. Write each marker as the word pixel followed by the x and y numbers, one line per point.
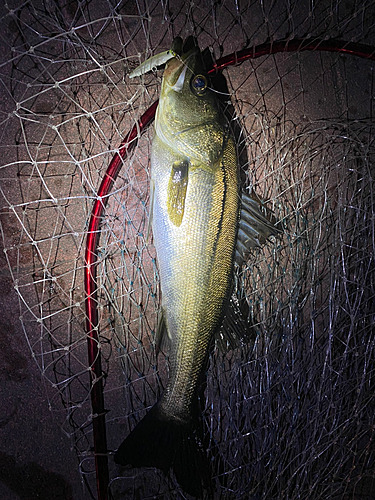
pixel 177 187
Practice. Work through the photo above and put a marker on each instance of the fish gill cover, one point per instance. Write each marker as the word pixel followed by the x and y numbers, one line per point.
pixel 288 414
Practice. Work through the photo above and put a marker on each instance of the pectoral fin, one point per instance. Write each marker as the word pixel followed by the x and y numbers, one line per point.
pixel 177 187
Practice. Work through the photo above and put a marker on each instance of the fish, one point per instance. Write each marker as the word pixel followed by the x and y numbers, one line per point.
pixel 202 223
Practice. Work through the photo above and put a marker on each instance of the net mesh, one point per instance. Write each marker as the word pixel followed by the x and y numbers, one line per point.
pixel 291 414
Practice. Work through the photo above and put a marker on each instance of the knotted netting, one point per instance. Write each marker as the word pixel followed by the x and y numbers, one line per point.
pixel 290 414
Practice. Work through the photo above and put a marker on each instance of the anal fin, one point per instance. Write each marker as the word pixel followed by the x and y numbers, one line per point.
pixel 235 329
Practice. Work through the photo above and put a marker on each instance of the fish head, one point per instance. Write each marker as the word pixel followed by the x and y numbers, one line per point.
pixel 185 77
pixel 188 116
pixel 185 72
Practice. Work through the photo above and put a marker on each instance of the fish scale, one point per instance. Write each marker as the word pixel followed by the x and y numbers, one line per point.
pixel 195 275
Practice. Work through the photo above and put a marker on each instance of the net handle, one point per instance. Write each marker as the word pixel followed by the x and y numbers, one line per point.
pixel 91 303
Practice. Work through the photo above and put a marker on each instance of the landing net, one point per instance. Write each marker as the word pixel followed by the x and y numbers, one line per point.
pixel 289 415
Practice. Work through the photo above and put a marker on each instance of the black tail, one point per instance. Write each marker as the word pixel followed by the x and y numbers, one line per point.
pixel 165 443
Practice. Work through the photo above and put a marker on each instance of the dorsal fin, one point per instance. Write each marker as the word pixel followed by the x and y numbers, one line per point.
pixel 254 228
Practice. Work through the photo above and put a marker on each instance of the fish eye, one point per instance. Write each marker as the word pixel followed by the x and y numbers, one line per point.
pixel 199 84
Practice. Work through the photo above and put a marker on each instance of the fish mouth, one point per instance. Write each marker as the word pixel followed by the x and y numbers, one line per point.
pixel 185 54
pixel 180 78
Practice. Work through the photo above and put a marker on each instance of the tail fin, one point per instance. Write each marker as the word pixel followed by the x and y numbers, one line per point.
pixel 165 443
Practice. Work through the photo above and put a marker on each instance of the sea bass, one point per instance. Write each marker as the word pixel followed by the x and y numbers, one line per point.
pixel 197 218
